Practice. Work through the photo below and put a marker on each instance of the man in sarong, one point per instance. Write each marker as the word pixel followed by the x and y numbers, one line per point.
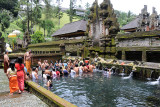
pixel 6 62
pixel 27 60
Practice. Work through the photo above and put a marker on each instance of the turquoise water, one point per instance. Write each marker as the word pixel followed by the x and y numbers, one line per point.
pixel 97 90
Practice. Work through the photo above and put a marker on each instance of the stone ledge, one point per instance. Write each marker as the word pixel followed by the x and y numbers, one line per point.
pixel 47 96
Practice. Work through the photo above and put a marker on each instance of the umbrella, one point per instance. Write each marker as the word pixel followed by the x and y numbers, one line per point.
pixel 17 32
pixel 11 35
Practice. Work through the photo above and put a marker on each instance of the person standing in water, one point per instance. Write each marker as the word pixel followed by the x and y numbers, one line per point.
pixel 40 64
pixel 34 74
pixel 6 62
pixel 27 60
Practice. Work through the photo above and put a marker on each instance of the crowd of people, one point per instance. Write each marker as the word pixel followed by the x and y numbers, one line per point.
pixel 17 70
pixel 59 69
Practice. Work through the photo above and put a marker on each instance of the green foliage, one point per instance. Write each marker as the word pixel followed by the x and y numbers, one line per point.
pixel 49 26
pixel 87 12
pixel 48 11
pixel 4 20
pixel 37 12
pixel 10 5
pixel 124 18
pixel 7 8
pixel 57 12
pixel 37 37
pixel 22 24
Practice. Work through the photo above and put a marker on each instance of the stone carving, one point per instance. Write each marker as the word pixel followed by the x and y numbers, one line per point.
pixel 103 27
pixel 148 22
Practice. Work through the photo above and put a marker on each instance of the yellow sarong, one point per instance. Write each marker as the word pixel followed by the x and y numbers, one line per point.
pixel 28 66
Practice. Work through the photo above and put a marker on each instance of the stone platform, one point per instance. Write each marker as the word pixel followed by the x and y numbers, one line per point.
pixel 17 100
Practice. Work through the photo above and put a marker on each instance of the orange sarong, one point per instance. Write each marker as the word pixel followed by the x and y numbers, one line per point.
pixel 13 84
pixel 28 66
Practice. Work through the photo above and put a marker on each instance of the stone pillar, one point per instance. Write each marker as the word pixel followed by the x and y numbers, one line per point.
pixel 123 55
pixel 62 48
pixel 144 56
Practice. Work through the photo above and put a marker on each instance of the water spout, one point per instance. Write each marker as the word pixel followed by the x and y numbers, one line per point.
pixel 158 79
pixel 155 82
pixel 130 75
pixel 150 75
pixel 122 74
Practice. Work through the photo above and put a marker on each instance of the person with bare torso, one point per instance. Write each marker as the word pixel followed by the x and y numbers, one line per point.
pixel 43 65
pixel 27 60
pixel 91 67
pixel 46 63
pixel 39 64
pixel 6 62
pixel 76 69
pixel 85 69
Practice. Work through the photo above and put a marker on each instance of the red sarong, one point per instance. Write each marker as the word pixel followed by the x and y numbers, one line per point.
pixel 20 78
pixel 6 66
pixel 20 75
pixel 13 84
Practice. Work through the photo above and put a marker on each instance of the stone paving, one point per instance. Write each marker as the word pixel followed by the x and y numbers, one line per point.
pixel 17 100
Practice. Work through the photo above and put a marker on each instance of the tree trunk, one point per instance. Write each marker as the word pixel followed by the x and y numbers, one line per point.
pixel 71 10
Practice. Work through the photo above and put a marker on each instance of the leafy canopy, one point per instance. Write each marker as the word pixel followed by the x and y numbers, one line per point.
pixel 37 37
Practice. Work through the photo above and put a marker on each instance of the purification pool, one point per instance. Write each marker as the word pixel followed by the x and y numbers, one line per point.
pixel 98 90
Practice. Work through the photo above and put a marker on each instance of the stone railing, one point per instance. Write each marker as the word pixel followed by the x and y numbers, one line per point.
pixel 47 96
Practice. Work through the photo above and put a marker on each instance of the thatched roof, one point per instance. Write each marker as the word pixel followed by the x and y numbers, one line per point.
pixel 131 25
pixel 74 27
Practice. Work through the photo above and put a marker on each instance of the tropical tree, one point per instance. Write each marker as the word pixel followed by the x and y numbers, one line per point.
pixel 7 9
pixel 58 14
pixel 22 24
pixel 87 12
pixel 124 18
pixel 57 11
pixel 10 5
pixel 49 26
pixel 4 20
pixel 37 12
pixel 48 11
pixel 37 37
pixel 43 25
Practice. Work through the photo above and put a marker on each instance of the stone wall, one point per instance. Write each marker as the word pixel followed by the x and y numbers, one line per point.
pixel 139 42
pixel 47 96
pixel 142 72
pixel 49 57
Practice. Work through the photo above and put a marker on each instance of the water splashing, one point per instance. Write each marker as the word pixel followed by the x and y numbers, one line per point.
pixel 150 75
pixel 155 82
pixel 122 74
pixel 130 75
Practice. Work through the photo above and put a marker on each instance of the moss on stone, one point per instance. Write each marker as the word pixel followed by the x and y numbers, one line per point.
pixel 139 35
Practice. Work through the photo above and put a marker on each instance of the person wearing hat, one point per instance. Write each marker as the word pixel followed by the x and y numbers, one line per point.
pixel 6 62
pixel 27 60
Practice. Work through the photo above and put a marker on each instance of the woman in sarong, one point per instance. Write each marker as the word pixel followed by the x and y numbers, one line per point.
pixel 12 76
pixel 20 73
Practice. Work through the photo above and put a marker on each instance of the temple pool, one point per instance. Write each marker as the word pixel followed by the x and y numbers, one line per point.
pixel 97 90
